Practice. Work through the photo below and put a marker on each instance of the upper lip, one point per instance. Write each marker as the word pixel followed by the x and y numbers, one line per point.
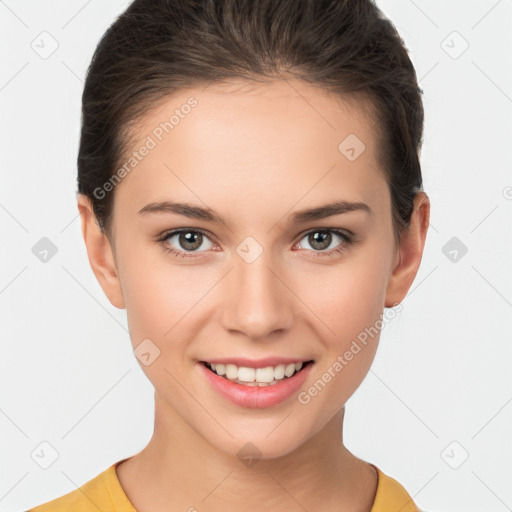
pixel 257 363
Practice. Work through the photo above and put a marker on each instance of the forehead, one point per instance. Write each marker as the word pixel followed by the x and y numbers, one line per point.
pixel 281 140
pixel 236 102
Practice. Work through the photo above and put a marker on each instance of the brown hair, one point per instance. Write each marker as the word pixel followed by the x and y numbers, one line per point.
pixel 159 47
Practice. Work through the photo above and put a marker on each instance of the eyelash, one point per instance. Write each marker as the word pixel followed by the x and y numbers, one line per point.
pixel 347 240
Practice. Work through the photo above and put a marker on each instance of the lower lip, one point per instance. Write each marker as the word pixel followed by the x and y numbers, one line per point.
pixel 256 396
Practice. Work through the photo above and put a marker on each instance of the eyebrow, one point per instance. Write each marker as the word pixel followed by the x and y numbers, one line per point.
pixel 302 216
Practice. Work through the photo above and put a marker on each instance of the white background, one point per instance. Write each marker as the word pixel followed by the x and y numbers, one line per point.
pixel 442 372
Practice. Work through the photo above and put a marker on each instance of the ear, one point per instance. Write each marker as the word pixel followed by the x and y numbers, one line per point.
pixel 409 252
pixel 99 251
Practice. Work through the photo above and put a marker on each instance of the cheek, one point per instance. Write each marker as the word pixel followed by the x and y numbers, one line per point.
pixel 347 297
pixel 160 295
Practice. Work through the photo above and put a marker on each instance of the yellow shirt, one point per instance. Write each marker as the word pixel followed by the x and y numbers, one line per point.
pixel 104 492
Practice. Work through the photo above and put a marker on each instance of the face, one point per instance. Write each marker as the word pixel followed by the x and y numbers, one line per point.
pixel 263 283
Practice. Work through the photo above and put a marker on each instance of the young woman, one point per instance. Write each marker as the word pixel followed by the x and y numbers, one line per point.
pixel 250 191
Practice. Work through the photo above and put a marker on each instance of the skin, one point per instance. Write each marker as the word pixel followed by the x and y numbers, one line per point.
pixel 255 154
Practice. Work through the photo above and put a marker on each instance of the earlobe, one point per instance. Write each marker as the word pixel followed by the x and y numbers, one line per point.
pixel 99 252
pixel 410 252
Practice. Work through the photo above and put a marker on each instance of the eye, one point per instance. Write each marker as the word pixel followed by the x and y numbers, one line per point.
pixel 184 242
pixel 321 239
pixel 181 242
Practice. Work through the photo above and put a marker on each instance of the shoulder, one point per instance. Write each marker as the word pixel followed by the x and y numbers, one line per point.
pixel 103 492
pixel 391 495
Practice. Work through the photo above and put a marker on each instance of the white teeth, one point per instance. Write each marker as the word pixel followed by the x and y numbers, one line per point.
pixel 289 370
pixel 263 374
pixel 231 371
pixel 247 374
pixel 267 376
pixel 279 372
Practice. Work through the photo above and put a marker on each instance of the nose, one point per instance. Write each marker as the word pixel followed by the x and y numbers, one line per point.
pixel 257 301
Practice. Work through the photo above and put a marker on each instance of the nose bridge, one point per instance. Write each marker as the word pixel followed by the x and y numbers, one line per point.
pixel 258 303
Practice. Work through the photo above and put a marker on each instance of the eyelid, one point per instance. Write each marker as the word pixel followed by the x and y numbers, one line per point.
pixel 171 232
pixel 346 232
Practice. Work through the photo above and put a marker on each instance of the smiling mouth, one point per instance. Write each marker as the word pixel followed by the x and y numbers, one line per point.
pixel 268 376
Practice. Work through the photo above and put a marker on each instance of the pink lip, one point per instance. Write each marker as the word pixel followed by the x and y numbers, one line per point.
pixel 255 396
pixel 256 363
